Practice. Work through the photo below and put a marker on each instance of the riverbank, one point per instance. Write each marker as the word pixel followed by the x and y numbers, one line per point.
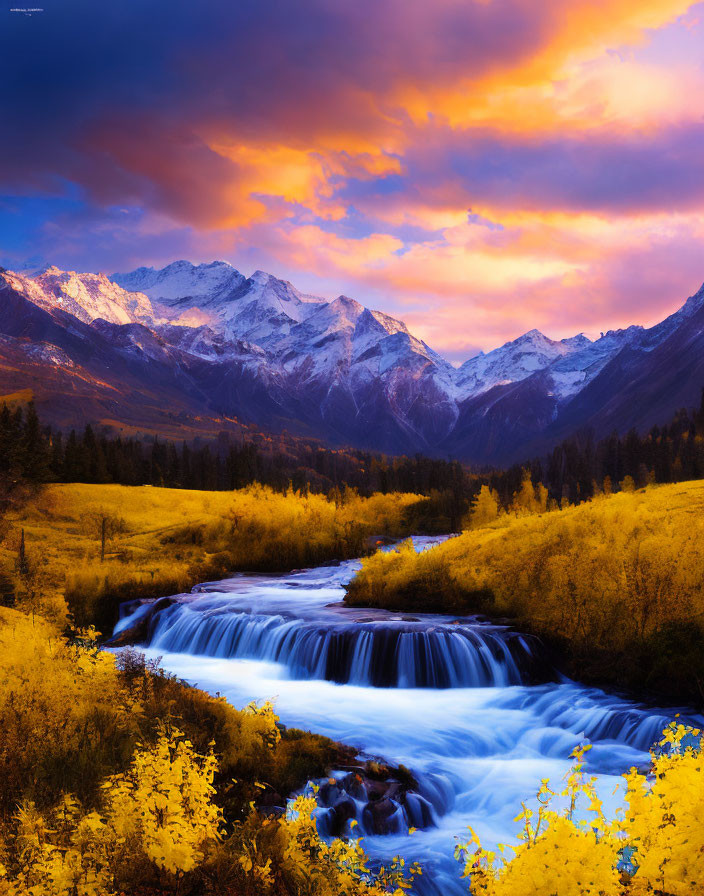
pixel 118 777
pixel 96 546
pixel 612 587
pixel 141 784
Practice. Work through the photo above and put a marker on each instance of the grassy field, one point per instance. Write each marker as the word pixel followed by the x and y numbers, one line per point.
pixel 160 541
pixel 614 586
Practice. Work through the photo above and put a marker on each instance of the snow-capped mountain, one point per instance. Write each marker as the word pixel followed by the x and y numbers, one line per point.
pixel 204 341
pixel 182 280
pixel 515 361
pixel 85 296
pixel 257 309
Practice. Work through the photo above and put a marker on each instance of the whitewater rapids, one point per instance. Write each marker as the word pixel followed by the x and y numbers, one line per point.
pixel 470 707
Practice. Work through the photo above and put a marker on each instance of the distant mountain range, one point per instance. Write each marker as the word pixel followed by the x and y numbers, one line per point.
pixel 193 349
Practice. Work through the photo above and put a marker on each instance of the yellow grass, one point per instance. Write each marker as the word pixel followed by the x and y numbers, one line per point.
pixel 618 582
pixel 160 541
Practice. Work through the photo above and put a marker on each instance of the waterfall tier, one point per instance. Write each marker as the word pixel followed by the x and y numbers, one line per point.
pixel 379 653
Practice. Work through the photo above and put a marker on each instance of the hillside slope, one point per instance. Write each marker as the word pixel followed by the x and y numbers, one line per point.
pixel 613 585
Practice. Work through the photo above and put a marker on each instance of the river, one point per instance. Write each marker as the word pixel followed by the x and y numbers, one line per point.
pixel 460 702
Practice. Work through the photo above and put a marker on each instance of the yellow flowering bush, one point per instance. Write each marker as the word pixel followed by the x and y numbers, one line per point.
pixel 62 854
pixel 339 867
pixel 654 846
pixel 163 805
pixel 663 816
pixel 61 711
pixel 162 809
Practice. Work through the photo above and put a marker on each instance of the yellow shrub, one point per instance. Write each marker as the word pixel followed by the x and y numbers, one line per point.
pixel 61 708
pixel 162 811
pixel 340 866
pixel 664 817
pixel 655 846
pixel 64 855
pixel 163 805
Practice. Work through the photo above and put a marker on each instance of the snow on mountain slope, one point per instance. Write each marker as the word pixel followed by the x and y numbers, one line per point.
pixel 207 337
pixel 267 309
pixel 573 371
pixel 88 297
pixel 255 309
pixel 202 342
pixel 305 334
pixel 514 361
pixel 342 338
pixel 181 281
pixel 215 312
pixel 46 353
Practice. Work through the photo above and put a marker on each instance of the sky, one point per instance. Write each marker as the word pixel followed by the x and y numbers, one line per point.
pixel 476 167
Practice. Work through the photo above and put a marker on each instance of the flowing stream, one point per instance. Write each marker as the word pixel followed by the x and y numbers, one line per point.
pixel 468 706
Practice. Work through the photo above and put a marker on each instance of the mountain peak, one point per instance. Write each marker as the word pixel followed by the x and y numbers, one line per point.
pixel 347 302
pixel 183 281
pixel 86 296
pixel 578 341
pixel 337 367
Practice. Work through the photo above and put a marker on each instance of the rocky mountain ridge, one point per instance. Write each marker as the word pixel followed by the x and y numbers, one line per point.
pixel 259 350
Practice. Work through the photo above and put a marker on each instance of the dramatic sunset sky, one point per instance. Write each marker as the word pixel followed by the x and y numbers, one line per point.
pixel 476 167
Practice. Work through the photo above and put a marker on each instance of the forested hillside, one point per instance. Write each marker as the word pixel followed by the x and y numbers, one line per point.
pixel 574 471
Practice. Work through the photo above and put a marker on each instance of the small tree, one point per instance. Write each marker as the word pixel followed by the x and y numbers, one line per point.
pixel 628 485
pixel 485 509
pixel 104 527
pixel 22 563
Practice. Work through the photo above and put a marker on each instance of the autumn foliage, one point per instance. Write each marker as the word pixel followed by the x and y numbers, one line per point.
pixel 117 778
pixel 159 815
pixel 164 541
pixel 654 845
pixel 614 585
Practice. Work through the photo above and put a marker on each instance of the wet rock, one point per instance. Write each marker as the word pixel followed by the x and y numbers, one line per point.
pixel 377 816
pixel 328 792
pixel 344 810
pixel 353 783
pixel 139 632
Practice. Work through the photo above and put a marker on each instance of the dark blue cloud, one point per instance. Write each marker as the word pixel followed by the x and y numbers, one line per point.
pixel 125 100
pixel 269 68
pixel 618 172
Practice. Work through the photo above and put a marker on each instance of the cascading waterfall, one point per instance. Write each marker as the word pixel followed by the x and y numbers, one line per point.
pixel 471 708
pixel 379 653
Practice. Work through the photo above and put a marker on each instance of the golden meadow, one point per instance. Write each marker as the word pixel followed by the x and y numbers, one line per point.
pixel 162 541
